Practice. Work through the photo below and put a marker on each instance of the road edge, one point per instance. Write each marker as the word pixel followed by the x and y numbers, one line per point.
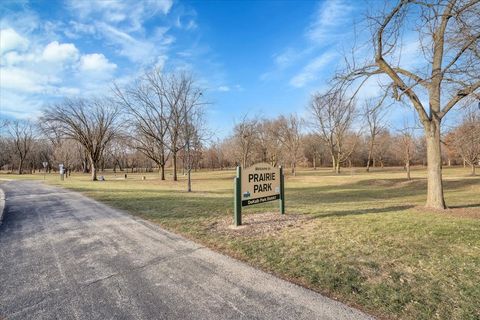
pixel 2 205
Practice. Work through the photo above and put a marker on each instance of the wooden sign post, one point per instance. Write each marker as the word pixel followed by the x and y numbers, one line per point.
pixel 258 184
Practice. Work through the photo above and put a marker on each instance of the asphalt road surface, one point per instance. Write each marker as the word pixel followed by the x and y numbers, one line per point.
pixel 64 256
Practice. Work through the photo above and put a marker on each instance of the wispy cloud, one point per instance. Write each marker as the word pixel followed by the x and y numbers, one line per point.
pixel 312 70
pixel 224 88
pixel 122 24
pixel 329 15
pixel 131 14
pixel 309 57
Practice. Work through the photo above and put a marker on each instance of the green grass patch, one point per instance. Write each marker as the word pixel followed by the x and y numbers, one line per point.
pixel 365 239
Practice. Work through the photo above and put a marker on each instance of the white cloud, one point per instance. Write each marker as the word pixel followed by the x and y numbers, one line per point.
pixel 224 88
pixel 312 70
pixel 38 64
pixel 132 13
pixel 14 58
pixel 96 62
pixel 122 25
pixel 60 52
pixel 11 40
pixel 141 51
pixel 23 80
pixel 186 19
pixel 330 15
pixel 20 106
pixel 286 58
pixel 76 29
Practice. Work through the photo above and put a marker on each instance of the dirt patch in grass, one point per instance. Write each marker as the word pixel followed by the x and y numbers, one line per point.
pixel 264 224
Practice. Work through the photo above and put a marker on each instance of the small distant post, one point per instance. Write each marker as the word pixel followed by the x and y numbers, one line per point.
pixel 62 172
pixel 237 198
pixel 45 164
pixel 282 191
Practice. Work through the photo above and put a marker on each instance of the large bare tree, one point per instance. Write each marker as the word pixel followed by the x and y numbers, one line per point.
pixel 184 101
pixel 447 32
pixel 92 122
pixel 148 109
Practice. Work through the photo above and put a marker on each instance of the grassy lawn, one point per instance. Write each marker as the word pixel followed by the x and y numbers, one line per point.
pixel 363 239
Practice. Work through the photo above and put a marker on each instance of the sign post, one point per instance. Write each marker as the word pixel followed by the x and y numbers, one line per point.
pixel 257 184
pixel 61 171
pixel 282 192
pixel 45 164
pixel 237 218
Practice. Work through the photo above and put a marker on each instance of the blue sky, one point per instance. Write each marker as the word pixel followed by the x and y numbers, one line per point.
pixel 260 58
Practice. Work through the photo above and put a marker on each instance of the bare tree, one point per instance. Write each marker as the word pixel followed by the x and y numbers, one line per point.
pixel 467 138
pixel 313 149
pixel 290 137
pixel 269 140
pixel 374 115
pixel 183 99
pixel 448 36
pixel 22 139
pixel 383 147
pixel 91 122
pixel 246 136
pixel 406 147
pixel 332 117
pixel 147 104
pixel 193 124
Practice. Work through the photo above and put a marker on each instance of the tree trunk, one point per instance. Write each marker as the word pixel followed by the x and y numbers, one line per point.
pixel 370 152
pixel 174 157
pixel 162 169
pixel 334 164
pixel 435 197
pixel 407 167
pixel 337 167
pixel 473 168
pixel 93 167
pixel 94 171
pixel 314 163
pixel 189 186
pixel 20 166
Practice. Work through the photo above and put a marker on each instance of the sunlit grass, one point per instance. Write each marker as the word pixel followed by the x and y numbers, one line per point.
pixel 367 240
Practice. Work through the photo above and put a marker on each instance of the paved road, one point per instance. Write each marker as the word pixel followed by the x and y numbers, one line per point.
pixel 64 256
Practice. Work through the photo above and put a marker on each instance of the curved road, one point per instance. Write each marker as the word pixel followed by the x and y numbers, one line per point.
pixel 65 256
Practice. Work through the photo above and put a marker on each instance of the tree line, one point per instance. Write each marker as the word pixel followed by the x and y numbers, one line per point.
pixel 91 135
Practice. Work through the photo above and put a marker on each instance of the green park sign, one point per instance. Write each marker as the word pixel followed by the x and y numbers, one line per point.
pixel 257 184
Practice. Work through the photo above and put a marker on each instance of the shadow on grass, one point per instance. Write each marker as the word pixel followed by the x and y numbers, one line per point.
pixel 473 205
pixel 342 213
pixel 370 190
